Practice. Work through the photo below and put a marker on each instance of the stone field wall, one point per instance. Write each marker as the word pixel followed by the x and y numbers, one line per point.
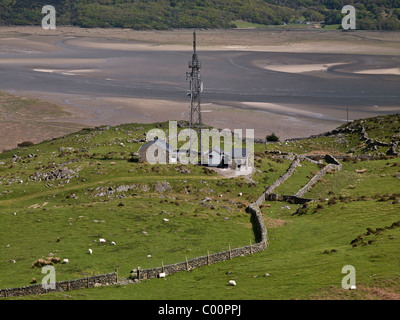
pixel 260 244
pixel 88 282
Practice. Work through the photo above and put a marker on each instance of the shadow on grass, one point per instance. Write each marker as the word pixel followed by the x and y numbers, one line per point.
pixel 256 228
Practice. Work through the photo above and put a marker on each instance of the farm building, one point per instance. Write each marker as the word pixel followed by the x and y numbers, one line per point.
pixel 157 151
pixel 240 159
pixel 215 157
pixel 237 159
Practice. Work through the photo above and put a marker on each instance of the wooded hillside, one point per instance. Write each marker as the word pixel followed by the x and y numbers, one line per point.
pixel 165 14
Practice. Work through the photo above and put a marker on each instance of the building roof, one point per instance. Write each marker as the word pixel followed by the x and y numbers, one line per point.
pixel 187 151
pixel 159 143
pixel 235 152
pixel 216 148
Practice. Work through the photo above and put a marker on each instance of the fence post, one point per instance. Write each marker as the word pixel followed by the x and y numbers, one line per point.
pixel 208 257
pixel 230 253
pixel 187 264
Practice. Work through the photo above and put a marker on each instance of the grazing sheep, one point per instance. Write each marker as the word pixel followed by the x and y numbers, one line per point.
pixel 102 240
pixel 232 282
pixel 49 261
pixel 240 194
pixel 113 243
pixel 55 260
pixel 90 251
pixel 38 263
pixel 166 220
pixel 65 261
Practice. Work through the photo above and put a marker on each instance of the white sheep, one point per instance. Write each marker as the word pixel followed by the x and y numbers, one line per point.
pixel 65 261
pixel 166 220
pixel 102 240
pixel 232 282
pixel 240 194
pixel 113 243
pixel 90 251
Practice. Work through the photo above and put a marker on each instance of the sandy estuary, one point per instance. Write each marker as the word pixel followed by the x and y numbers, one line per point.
pixel 293 83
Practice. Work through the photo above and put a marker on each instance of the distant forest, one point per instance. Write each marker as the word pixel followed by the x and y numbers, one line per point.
pixel 168 14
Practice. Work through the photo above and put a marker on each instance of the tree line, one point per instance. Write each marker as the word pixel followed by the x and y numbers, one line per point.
pixel 166 14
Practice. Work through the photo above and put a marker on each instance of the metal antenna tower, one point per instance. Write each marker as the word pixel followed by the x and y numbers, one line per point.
pixel 196 88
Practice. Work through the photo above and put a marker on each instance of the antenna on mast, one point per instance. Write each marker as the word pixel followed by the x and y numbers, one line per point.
pixel 194 42
pixel 196 88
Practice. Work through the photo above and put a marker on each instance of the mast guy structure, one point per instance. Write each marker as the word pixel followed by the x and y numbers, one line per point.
pixel 196 88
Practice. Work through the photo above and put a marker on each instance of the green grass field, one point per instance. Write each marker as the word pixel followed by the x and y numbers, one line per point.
pixel 297 26
pixel 37 213
pixel 306 251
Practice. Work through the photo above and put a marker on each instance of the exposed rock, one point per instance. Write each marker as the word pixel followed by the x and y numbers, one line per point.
pixel 57 174
pixel 162 187
pixel 109 191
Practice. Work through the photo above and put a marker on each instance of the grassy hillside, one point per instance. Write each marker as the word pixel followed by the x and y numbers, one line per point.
pixel 371 136
pixel 64 194
pixel 164 14
pixel 99 190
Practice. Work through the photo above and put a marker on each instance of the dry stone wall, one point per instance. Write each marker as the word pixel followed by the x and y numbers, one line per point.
pixel 315 179
pixel 261 236
pixel 259 228
pixel 88 282
pixel 333 164
pixel 371 144
pixel 278 182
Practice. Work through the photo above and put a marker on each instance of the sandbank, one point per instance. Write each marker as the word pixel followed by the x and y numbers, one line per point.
pixel 300 68
pixel 281 40
pixel 395 71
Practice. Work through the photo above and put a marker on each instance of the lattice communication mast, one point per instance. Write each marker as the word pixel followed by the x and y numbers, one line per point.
pixel 196 88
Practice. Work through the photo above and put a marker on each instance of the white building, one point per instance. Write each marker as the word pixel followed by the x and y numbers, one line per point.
pixel 215 157
pixel 237 158
pixel 157 151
